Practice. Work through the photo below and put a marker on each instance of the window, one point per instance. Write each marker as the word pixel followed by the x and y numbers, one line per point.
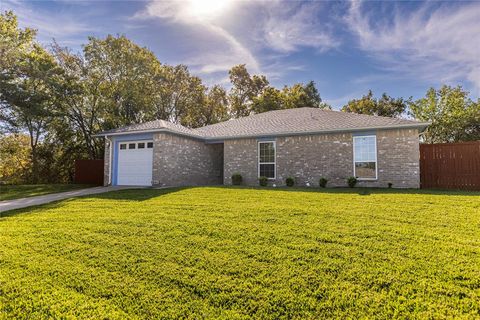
pixel 266 159
pixel 149 145
pixel 365 157
pixel 141 145
pixel 123 146
pixel 131 146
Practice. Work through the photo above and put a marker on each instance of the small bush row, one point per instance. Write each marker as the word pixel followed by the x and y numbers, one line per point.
pixel 290 181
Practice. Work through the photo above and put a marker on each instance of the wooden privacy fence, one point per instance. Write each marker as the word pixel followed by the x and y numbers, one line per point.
pixel 450 165
pixel 89 172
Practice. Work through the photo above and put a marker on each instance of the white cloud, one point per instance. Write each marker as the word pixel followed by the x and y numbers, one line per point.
pixel 439 44
pixel 226 50
pixel 281 27
pixel 287 29
pixel 64 27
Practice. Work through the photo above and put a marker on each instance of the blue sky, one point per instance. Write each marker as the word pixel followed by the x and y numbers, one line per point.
pixel 401 48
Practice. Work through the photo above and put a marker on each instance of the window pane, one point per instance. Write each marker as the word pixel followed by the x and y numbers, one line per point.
pixel 365 170
pixel 149 145
pixel 267 170
pixel 364 148
pixel 123 146
pixel 267 152
pixel 131 146
pixel 141 145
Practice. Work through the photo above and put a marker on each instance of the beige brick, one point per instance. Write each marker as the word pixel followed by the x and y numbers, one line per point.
pixel 309 157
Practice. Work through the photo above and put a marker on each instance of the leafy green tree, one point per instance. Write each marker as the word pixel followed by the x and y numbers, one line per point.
pixel 78 103
pixel 179 96
pixel 14 44
pixel 300 96
pixel 125 74
pixel 453 115
pixel 15 160
pixel 216 105
pixel 253 94
pixel 312 97
pixel 270 99
pixel 245 88
pixel 27 84
pixel 213 109
pixel 386 106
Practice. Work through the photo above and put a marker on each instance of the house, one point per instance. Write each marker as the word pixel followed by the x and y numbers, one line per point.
pixel 304 143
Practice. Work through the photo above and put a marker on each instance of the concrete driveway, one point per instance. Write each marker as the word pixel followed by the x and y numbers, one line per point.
pixel 47 198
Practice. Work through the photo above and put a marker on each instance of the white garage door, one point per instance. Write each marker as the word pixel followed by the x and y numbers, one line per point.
pixel 135 160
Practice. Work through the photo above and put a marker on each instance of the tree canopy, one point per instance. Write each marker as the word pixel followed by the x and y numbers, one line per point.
pixel 453 115
pixel 386 106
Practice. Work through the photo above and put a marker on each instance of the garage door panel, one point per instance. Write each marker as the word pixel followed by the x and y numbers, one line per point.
pixel 135 165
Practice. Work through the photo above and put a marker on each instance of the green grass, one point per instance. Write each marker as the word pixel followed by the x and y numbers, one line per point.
pixel 244 253
pixel 9 192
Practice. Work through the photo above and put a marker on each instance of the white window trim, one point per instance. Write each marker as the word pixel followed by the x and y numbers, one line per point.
pixel 376 162
pixel 136 145
pixel 274 157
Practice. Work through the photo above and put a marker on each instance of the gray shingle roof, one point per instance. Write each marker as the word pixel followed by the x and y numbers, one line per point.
pixel 156 125
pixel 279 122
pixel 300 121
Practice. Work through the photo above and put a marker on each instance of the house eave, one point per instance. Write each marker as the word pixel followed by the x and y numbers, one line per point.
pixel 216 139
pixel 109 134
pixel 420 126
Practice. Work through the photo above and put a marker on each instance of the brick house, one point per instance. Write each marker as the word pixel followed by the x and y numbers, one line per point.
pixel 304 143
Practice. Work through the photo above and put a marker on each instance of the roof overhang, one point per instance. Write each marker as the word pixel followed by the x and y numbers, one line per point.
pixel 216 139
pixel 110 134
pixel 420 126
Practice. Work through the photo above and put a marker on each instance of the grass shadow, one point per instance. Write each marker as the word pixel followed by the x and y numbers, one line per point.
pixel 143 194
pixel 364 191
pixel 134 194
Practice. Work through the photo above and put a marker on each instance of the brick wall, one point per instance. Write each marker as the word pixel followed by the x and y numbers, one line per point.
pixel 398 156
pixel 240 156
pixel 307 158
pixel 181 161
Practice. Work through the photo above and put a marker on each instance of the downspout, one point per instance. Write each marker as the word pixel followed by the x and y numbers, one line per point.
pixel 109 160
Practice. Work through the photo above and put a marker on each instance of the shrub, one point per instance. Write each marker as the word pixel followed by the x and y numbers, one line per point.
pixel 263 181
pixel 390 185
pixel 352 181
pixel 237 179
pixel 323 182
pixel 289 182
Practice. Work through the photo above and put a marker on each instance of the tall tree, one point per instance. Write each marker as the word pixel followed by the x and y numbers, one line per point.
pixel 178 93
pixel 312 97
pixel 301 96
pixel 453 115
pixel 253 94
pixel 125 74
pixel 78 100
pixel 213 109
pixel 270 99
pixel 28 78
pixel 386 106
pixel 245 88
pixel 216 106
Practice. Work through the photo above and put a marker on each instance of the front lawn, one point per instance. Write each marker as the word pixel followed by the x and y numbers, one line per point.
pixel 9 192
pixel 244 253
